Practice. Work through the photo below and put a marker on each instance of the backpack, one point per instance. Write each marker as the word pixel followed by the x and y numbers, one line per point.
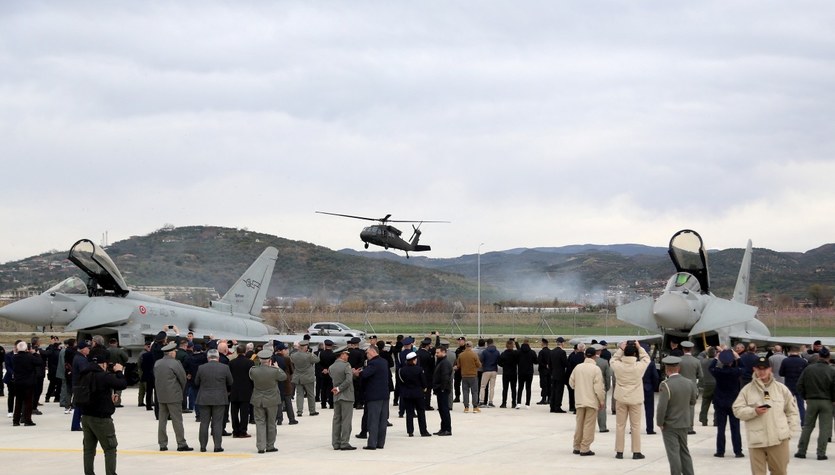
pixel 83 391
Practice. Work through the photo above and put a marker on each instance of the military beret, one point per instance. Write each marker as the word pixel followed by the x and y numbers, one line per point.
pixel 304 343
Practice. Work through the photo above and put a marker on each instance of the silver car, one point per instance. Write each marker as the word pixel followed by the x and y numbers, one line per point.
pixel 334 329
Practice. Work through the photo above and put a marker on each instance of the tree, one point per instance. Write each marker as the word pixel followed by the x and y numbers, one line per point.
pixel 821 295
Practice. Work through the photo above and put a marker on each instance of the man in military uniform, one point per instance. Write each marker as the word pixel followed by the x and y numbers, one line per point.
pixel 691 369
pixel 265 399
pixel 343 399
pixel 304 377
pixel 817 386
pixel 169 383
pixel 677 396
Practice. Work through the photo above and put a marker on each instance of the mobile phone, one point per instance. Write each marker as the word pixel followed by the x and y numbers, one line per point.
pixel 767 406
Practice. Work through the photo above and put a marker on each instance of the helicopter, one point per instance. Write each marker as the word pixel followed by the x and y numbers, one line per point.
pixel 387 236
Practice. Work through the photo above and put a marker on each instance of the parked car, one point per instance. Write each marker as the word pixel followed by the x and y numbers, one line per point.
pixel 334 329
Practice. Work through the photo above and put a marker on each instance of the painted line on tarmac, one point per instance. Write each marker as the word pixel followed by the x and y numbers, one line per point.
pixel 133 452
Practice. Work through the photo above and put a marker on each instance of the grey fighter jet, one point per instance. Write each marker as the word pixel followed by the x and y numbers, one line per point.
pixel 687 309
pixel 105 305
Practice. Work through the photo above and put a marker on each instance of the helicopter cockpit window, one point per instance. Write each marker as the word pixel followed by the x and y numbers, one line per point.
pixel 73 285
pixel 684 281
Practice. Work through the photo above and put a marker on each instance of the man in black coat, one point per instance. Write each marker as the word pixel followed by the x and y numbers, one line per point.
pixel 543 360
pixel 26 366
pixel 97 421
pixel 375 382
pixel 558 363
pixel 51 354
pixel 442 386
pixel 326 359
pixel 426 360
pixel 241 392
pixel 575 358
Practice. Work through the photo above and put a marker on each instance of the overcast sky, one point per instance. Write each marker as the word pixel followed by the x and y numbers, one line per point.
pixel 524 123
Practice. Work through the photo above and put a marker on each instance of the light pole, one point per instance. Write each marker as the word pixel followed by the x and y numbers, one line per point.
pixel 479 288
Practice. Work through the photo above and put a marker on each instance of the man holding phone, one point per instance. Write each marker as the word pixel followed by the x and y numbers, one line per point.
pixel 770 414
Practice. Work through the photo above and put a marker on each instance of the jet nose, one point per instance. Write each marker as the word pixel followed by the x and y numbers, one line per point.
pixel 33 310
pixel 671 311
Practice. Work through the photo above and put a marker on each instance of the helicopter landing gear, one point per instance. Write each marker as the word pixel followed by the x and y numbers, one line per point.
pixel 366 245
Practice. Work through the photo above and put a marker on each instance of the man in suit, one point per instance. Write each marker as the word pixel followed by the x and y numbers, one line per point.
pixel 169 383
pixel 241 392
pixel 677 395
pixel 543 359
pixel 326 359
pixel 557 364
pixel 651 380
pixel 343 399
pixel 265 399
pixel 213 382
pixel 26 365
pixel 442 386
pixel 690 368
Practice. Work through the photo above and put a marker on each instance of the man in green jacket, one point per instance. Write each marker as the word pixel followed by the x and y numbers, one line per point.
pixel 676 395
pixel 817 386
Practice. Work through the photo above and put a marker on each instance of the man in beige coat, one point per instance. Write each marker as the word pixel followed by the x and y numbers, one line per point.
pixel 589 396
pixel 628 365
pixel 770 414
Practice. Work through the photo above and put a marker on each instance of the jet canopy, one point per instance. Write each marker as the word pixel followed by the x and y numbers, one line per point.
pixel 689 256
pixel 73 285
pixel 97 264
pixel 684 282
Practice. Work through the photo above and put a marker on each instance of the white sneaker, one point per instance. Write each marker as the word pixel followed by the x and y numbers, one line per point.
pixel 67 410
pixel 10 415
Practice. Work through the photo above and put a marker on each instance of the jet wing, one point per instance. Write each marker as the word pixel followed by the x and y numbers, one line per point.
pixel 784 340
pixel 721 313
pixel 638 313
pixel 101 311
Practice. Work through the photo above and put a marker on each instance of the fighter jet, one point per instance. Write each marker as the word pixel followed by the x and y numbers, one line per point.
pixel 687 309
pixel 105 305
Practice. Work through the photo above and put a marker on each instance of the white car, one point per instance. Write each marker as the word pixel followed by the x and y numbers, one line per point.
pixel 334 329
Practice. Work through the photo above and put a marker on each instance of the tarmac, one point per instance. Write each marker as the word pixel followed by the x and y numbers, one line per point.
pixel 527 440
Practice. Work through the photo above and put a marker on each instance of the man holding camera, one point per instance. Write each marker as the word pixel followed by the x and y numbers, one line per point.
pixel 629 365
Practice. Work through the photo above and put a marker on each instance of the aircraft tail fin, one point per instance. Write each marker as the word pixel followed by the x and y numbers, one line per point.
pixel 415 238
pixel 250 291
pixel 742 281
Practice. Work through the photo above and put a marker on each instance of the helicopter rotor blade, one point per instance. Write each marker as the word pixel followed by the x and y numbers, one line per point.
pixel 382 220
pixel 349 216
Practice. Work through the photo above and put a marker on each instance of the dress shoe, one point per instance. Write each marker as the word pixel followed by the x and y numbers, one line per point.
pixel 314 414
pixel 691 432
pixel 226 433
pixel 293 422
pixel 576 452
pixel 823 457
pixel 541 402
pixel 187 411
pixel 380 447
pixel 586 454
pixel 651 432
pixel 369 448
pixel 425 434
pixel 29 423
pixel 185 448
pixel 490 404
pixel 15 424
pixel 444 433
pixel 261 451
pixel 799 456
pixel 348 447
pixel 739 455
pixel 298 414
pixel 272 449
pixel 503 406
pixel 163 449
pixel 619 455
pixel 603 431
pixel 218 449
pixel 638 456
pixel 560 411
pixel 244 436
pixel 719 455
pixel 37 412
pixel 456 400
pixel 361 436
pixel 202 449
pixel 76 429
pixel 411 435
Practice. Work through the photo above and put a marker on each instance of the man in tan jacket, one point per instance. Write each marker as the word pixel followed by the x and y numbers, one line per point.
pixel 770 414
pixel 468 364
pixel 629 364
pixel 589 396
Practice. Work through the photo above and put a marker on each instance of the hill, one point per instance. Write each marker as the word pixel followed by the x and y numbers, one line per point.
pixel 215 257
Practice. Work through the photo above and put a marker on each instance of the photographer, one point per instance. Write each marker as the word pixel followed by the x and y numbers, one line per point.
pixel 97 421
pixel 629 364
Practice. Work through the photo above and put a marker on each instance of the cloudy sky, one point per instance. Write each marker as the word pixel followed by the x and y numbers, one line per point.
pixel 524 123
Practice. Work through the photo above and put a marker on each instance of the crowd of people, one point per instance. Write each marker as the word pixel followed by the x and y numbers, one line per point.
pixel 226 384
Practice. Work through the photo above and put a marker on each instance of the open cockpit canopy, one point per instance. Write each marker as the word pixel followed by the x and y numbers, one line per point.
pixel 97 264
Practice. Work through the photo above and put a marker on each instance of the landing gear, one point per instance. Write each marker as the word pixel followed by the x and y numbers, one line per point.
pixel 366 245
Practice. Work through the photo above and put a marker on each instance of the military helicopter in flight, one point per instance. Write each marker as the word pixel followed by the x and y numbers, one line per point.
pixel 387 236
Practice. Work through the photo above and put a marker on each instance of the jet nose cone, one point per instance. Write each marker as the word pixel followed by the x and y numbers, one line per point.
pixel 671 311
pixel 33 311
